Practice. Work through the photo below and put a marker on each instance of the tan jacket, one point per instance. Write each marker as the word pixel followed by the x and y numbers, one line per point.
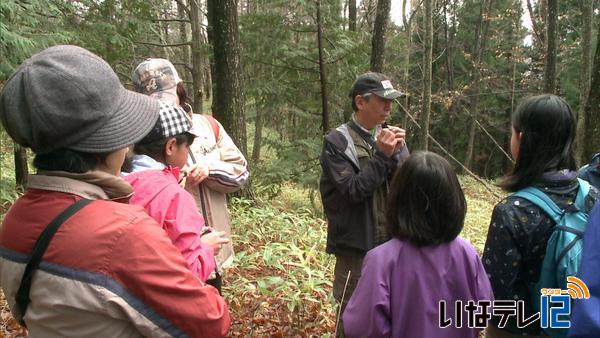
pixel 228 172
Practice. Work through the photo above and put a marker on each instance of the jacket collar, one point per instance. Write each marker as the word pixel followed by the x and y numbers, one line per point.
pixel 91 184
pixel 145 162
pixel 364 130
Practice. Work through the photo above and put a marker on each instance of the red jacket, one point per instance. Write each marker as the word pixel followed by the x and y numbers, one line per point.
pixel 109 271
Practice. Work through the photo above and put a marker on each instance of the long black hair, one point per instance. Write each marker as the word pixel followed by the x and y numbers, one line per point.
pixel 426 205
pixel 547 124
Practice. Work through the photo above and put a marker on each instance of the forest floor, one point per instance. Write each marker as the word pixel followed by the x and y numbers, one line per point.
pixel 281 283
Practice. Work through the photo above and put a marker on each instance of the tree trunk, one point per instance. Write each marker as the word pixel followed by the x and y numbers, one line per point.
pixel 210 37
pixel 479 46
pixel 406 76
pixel 197 67
pixel 539 33
pixel 183 36
pixel 592 109
pixel 584 78
pixel 21 169
pixel 258 126
pixel 449 34
pixel 427 70
pixel 378 39
pixel 322 73
pixel 551 34
pixel 228 90
pixel 352 15
pixel 207 70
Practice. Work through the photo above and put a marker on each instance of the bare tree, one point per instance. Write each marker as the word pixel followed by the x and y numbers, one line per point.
pixel 551 49
pixel 228 92
pixel 449 35
pixel 427 71
pixel 585 77
pixel 197 66
pixel 539 33
pixel 592 109
pixel 378 40
pixel 322 73
pixel 478 48
pixel 352 15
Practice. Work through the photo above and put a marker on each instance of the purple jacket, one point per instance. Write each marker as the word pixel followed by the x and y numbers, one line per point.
pixel 401 285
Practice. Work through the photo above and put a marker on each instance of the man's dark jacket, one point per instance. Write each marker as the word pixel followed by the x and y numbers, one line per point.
pixel 347 191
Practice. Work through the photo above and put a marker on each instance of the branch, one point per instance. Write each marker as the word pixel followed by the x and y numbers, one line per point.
pixel 185 65
pixel 170 20
pixel 185 7
pixel 189 43
pixel 534 23
pixel 412 13
pixel 479 179
pixel 303 30
pixel 311 70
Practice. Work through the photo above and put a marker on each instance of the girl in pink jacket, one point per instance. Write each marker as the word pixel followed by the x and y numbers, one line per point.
pixel 155 177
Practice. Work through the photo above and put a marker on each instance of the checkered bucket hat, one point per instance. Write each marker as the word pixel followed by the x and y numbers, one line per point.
pixel 172 121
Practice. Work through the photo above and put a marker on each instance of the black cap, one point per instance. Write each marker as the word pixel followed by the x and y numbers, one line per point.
pixel 375 83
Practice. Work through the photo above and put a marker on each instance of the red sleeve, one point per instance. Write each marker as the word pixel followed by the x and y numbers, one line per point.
pixel 152 269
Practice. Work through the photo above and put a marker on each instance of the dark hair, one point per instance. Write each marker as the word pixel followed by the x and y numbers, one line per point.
pixel 154 143
pixel 548 126
pixel 68 160
pixel 182 95
pixel 426 205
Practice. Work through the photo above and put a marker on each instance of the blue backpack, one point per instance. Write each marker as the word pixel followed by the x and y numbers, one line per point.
pixel 565 246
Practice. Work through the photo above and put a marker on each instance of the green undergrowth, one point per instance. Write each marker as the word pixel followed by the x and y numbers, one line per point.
pixel 8 192
pixel 282 281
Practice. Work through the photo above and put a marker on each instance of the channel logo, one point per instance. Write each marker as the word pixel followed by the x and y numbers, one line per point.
pixel 577 289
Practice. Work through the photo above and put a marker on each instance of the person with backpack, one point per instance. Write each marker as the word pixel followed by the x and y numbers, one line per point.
pixel 215 165
pixel 523 236
pixel 155 178
pixel 76 260
pixel 591 171
pixel 395 296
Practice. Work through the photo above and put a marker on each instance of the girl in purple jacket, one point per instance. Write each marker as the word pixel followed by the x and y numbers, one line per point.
pixel 410 285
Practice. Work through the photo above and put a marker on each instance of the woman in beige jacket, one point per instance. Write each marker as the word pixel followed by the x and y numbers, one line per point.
pixel 215 166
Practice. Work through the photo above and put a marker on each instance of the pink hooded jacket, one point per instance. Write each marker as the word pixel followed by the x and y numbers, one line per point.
pixel 175 209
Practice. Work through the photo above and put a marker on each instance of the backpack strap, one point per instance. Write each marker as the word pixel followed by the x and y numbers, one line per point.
pixel 539 198
pixel 584 190
pixel 214 125
pixel 22 296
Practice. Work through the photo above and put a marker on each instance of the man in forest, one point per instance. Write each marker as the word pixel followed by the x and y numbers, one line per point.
pixel 358 160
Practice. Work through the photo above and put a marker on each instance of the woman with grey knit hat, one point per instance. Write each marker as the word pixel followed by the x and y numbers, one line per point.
pixel 76 260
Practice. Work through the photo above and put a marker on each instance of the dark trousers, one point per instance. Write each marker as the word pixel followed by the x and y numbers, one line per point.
pixel 347 268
